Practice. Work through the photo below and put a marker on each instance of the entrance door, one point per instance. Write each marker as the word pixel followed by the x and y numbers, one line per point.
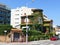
pixel 16 37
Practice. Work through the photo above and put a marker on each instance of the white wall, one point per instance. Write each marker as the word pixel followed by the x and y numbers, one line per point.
pixel 16 15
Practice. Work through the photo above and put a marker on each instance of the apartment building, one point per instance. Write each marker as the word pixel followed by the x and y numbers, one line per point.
pixel 4 14
pixel 16 15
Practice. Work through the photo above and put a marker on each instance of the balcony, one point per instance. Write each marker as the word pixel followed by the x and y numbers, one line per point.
pixel 24 16
pixel 24 23
pixel 46 24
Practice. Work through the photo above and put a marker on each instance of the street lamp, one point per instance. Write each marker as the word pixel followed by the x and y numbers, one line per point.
pixel 5 31
pixel 26 28
pixel 27 25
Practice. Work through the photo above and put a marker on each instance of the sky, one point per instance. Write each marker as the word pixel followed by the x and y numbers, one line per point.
pixel 51 8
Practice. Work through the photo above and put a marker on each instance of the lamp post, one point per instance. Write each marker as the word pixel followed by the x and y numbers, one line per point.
pixel 27 25
pixel 5 31
pixel 26 28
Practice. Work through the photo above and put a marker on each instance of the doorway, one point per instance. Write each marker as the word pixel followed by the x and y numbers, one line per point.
pixel 16 37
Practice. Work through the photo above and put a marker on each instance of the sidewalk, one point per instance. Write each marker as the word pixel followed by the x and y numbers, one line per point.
pixel 40 41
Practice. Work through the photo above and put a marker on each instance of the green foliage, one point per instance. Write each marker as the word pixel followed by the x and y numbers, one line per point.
pixel 5 27
pixel 32 32
pixel 35 21
pixel 37 35
pixel 30 38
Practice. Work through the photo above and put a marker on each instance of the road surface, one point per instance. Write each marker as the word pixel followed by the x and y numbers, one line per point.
pixel 41 42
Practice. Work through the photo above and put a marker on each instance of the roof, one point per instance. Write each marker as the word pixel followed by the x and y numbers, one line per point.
pixel 4 6
pixel 16 30
pixel 34 10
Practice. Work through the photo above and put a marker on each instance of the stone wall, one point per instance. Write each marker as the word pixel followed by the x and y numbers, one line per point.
pixel 4 39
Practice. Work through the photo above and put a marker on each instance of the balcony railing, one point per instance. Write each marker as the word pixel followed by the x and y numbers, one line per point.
pixel 46 24
pixel 24 23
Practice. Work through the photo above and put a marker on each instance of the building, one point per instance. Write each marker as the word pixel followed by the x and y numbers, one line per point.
pixel 16 15
pixel 48 23
pixel 57 30
pixel 4 14
pixel 34 18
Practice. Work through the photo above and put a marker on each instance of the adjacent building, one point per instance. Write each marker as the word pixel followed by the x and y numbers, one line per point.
pixel 48 24
pixel 57 30
pixel 4 14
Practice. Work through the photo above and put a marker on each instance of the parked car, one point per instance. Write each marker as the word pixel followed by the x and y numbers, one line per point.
pixel 54 38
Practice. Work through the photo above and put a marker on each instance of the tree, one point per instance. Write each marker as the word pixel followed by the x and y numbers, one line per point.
pixel 37 21
pixel 5 27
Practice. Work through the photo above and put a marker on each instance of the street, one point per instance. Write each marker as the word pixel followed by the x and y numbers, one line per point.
pixel 41 42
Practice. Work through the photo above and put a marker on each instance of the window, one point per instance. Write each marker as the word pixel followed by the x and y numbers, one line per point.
pixel 17 10
pixel 24 13
pixel 16 22
pixel 26 20
pixel 21 14
pixel 1 22
pixel 16 14
pixel 16 18
pixel 8 22
pixel 21 10
pixel 40 20
pixel 1 17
